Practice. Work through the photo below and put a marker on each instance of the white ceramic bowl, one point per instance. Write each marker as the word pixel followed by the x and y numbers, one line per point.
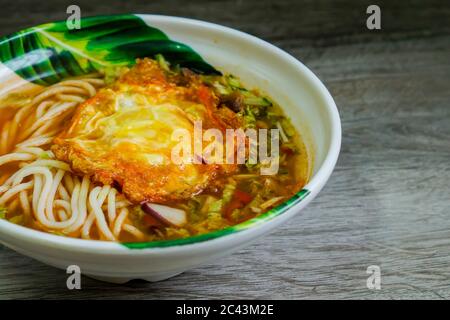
pixel 259 64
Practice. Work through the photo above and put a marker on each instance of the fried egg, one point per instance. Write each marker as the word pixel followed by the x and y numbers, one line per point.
pixel 123 136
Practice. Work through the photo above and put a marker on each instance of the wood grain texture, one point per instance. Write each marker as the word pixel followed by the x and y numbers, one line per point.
pixel 388 201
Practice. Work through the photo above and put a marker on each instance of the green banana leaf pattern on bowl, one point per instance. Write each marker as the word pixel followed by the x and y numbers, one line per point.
pixel 49 53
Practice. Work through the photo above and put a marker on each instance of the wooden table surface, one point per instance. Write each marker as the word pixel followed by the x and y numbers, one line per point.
pixel 386 204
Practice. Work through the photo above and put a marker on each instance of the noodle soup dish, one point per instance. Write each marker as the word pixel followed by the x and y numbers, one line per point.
pixel 95 157
pixel 168 140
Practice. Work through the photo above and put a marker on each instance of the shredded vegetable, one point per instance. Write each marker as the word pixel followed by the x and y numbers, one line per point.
pixel 283 135
pixel 3 212
pixel 270 202
pixel 163 63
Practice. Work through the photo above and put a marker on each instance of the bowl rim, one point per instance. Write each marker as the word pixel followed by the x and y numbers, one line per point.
pixel 310 190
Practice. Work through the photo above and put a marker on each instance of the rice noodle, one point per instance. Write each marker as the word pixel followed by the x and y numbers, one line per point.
pixel 45 189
